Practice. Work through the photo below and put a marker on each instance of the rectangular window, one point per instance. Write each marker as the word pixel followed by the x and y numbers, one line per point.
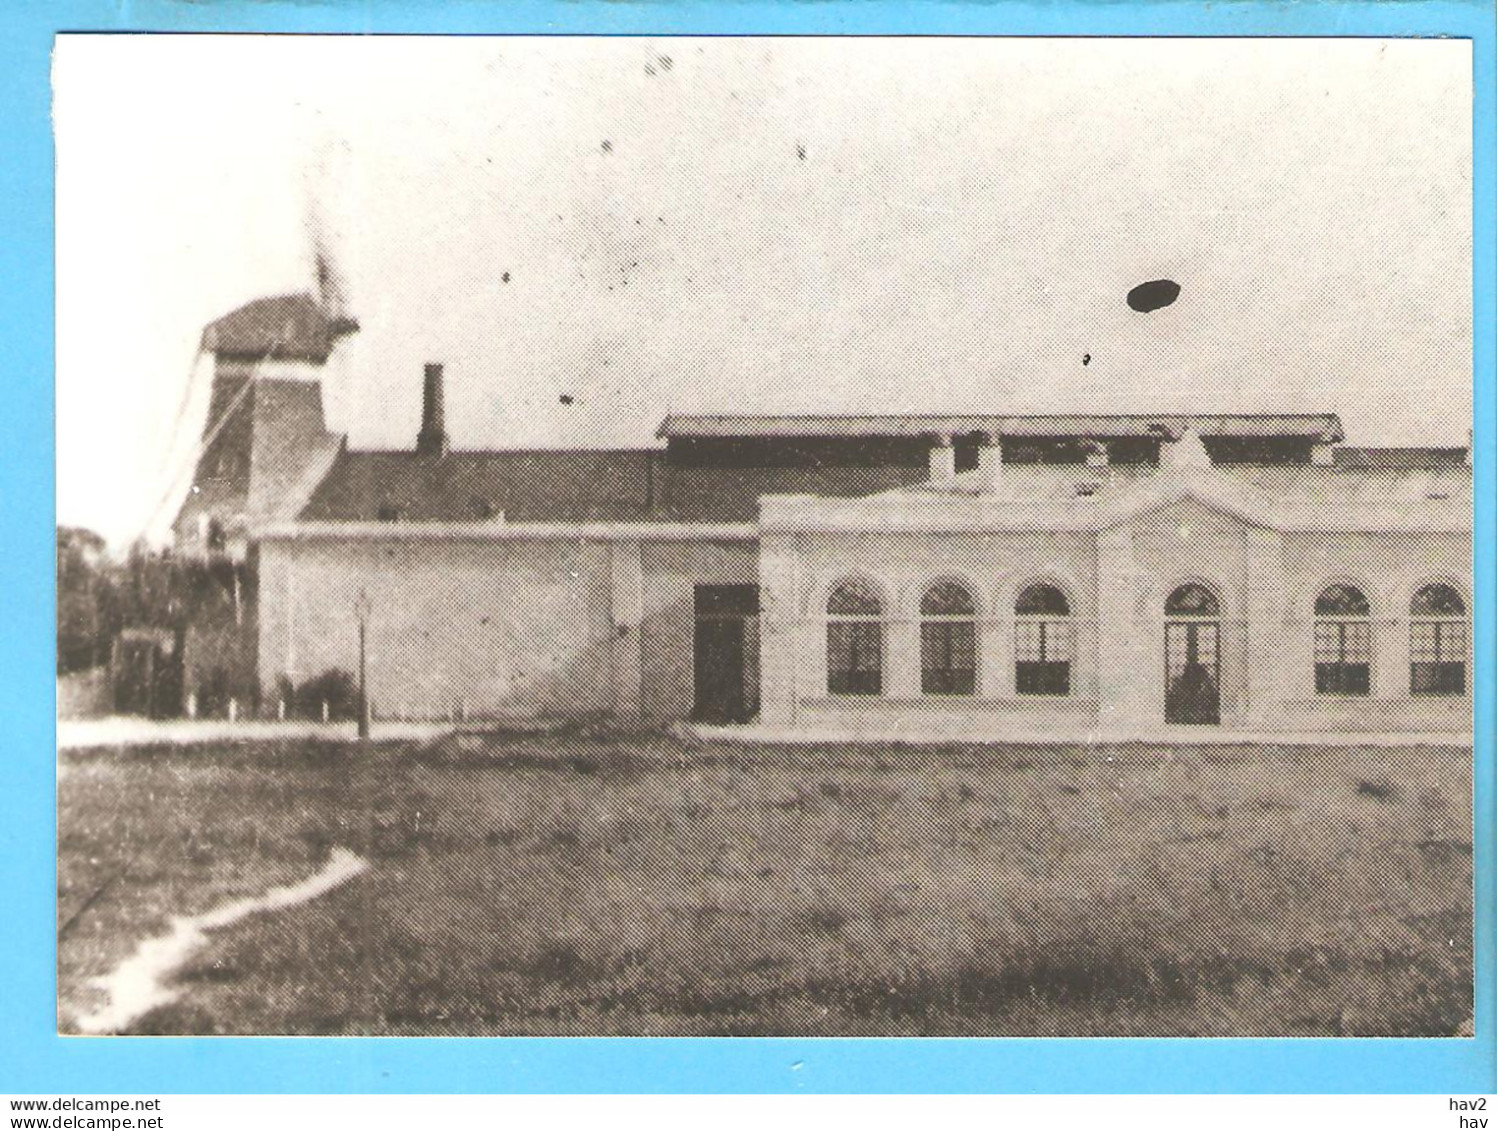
pixel 1437 658
pixel 1042 657
pixel 854 658
pixel 1343 658
pixel 948 658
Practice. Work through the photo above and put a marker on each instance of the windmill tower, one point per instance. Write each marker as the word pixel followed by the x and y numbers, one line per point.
pixel 265 444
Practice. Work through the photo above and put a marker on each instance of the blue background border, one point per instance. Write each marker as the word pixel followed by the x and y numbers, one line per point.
pixel 34 1059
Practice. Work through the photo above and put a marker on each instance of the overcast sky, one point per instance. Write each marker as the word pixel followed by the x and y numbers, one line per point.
pixel 761 225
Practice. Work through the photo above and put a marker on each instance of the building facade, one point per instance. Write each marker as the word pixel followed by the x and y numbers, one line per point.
pixel 980 574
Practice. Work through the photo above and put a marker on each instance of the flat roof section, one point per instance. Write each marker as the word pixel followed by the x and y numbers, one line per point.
pixel 1324 426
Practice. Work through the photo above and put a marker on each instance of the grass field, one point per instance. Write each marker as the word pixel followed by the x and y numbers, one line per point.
pixel 617 884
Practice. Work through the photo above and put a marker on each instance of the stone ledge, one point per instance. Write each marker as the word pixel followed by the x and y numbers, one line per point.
pixel 1165 736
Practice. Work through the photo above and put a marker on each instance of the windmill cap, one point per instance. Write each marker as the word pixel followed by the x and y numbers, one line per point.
pixel 285 327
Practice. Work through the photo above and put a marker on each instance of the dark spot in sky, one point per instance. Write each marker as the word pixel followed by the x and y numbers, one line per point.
pixel 649 69
pixel 566 398
pixel 505 277
pixel 665 62
pixel 800 150
pixel 607 146
pixel 1086 359
pixel 1153 295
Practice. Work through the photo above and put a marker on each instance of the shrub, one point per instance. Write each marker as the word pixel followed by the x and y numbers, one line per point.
pixel 336 688
pixel 214 693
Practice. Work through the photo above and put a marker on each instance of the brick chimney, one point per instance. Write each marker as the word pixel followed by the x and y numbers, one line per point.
pixel 432 439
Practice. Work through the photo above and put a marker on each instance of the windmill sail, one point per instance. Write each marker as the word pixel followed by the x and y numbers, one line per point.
pixel 329 279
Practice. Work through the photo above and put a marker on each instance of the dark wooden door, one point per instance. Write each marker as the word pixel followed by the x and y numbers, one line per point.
pixel 725 673
pixel 719 670
pixel 1192 672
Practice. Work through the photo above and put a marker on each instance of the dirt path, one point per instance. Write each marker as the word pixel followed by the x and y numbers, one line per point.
pixel 139 983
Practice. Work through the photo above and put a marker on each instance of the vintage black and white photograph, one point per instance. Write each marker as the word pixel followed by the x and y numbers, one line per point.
pixel 742 536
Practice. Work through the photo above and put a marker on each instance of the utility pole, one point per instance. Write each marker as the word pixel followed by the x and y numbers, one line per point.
pixel 362 608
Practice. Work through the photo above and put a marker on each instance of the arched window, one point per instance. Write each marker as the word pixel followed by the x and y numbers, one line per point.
pixel 854 640
pixel 1343 642
pixel 948 640
pixel 1044 642
pixel 1437 642
pixel 1192 601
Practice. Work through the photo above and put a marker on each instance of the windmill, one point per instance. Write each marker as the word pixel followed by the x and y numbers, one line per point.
pixel 299 326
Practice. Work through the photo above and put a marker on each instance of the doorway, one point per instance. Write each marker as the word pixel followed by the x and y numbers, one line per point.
pixel 1192 657
pixel 725 653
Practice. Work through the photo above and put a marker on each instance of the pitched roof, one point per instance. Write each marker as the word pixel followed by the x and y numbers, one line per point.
pixel 570 485
pixel 287 327
pixel 642 485
pixel 525 486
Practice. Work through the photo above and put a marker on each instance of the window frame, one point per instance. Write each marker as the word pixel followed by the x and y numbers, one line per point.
pixel 1044 677
pixel 1450 677
pixel 856 633
pixel 943 631
pixel 1347 631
